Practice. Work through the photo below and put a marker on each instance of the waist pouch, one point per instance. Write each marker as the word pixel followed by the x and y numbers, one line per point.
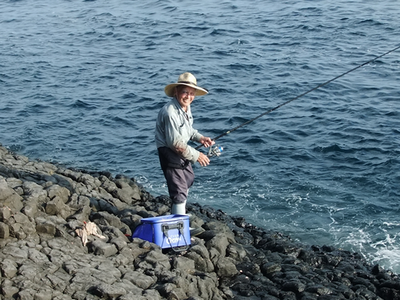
pixel 170 159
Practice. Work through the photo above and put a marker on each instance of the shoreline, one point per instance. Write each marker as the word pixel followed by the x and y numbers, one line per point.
pixel 43 210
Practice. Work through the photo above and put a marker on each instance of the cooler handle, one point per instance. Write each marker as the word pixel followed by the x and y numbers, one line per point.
pixel 179 226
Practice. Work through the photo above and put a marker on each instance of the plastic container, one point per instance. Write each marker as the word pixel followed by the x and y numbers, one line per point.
pixel 171 231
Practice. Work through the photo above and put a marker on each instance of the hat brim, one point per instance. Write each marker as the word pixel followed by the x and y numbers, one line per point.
pixel 169 89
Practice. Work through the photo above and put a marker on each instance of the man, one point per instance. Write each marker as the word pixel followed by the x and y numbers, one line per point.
pixel 173 132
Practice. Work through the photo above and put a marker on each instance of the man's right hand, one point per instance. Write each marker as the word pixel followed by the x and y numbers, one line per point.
pixel 203 160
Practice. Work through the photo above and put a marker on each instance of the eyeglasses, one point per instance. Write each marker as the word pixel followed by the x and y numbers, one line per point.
pixel 187 93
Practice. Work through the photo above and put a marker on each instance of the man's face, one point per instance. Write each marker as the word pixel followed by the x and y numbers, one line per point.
pixel 185 95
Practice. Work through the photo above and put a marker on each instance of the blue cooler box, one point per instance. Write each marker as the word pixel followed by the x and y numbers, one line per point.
pixel 171 231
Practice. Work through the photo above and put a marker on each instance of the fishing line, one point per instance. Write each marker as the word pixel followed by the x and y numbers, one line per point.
pixel 301 95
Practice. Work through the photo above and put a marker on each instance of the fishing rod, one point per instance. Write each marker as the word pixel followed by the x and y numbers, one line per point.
pixel 216 151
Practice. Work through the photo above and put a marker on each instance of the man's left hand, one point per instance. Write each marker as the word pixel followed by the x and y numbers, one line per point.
pixel 206 141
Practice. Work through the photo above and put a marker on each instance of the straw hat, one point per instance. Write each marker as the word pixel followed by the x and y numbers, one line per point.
pixel 185 79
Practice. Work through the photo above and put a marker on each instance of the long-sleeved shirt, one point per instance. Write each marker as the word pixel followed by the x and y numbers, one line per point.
pixel 174 130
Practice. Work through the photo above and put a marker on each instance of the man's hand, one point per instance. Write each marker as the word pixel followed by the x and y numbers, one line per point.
pixel 206 141
pixel 203 160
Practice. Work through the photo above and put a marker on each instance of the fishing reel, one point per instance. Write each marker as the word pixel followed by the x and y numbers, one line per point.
pixel 215 151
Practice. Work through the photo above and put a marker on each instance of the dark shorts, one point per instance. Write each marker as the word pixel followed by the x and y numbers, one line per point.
pixel 178 172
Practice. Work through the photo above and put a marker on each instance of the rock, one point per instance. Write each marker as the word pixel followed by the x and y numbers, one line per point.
pixel 60 192
pixel 45 227
pixel 184 265
pixel 5 213
pixel 201 264
pixel 219 242
pixel 269 268
pixel 9 198
pixel 8 290
pixel 4 231
pixel 226 267
pixel 139 279
pixel 43 207
pixel 126 190
pixel 236 251
pixel 8 268
pixel 158 260
pixel 34 192
pixel 107 291
pixel 294 286
pixel 102 248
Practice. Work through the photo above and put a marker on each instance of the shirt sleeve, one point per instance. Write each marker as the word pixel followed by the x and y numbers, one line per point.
pixel 196 136
pixel 175 141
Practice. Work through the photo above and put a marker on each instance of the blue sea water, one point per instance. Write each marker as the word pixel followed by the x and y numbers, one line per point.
pixel 81 83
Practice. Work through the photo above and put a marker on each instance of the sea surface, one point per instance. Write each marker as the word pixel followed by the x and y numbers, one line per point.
pixel 81 83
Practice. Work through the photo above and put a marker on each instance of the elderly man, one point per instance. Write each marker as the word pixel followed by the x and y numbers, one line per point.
pixel 173 132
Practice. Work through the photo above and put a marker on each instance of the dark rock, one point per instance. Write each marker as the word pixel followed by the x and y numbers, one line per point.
pixel 140 279
pixel 294 286
pixel 319 289
pixel 236 252
pixel 158 260
pixel 43 256
pixel 225 267
pixel 219 242
pixel 269 268
pixel 99 247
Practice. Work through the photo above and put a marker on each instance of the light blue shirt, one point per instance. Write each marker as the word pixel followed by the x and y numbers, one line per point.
pixel 174 130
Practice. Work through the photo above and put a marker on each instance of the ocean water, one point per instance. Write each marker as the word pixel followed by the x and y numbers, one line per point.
pixel 81 83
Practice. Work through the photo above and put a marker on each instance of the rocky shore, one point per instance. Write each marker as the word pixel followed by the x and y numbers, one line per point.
pixel 44 209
